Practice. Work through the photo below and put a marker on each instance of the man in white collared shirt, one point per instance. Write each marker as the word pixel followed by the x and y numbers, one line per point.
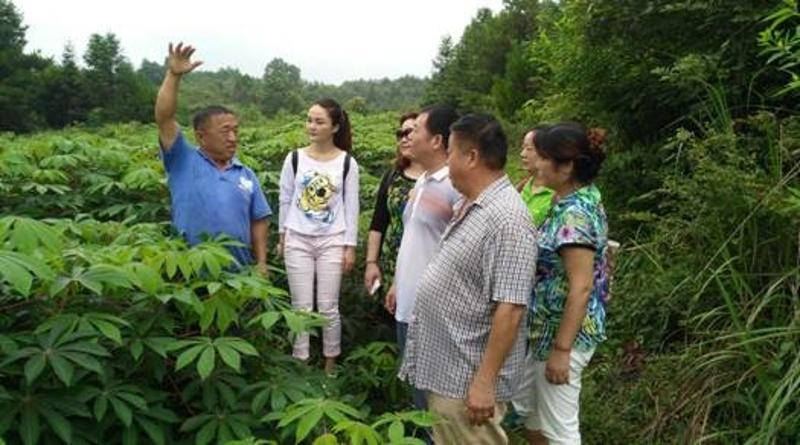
pixel 427 213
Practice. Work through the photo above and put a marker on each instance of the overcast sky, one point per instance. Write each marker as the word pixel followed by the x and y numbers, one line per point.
pixel 331 41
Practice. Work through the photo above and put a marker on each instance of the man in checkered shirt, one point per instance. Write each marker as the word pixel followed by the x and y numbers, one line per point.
pixel 466 344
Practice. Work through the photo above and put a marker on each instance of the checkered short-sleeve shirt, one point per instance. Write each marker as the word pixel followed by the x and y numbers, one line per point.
pixel 486 257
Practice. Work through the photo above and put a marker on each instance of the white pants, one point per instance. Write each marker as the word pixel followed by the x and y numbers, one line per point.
pixel 552 409
pixel 316 257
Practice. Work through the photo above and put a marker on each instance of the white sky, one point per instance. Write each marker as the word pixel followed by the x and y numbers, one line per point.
pixel 330 41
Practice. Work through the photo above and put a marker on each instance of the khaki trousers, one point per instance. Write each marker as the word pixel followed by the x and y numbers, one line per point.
pixel 455 428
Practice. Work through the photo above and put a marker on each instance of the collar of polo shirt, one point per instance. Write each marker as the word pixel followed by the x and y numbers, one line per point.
pixel 233 162
pixel 438 175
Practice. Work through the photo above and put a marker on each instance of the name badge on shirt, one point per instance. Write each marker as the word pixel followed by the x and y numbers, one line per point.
pixel 245 184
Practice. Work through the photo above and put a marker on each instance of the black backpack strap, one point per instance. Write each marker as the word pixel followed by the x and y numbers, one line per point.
pixel 346 169
pixel 295 160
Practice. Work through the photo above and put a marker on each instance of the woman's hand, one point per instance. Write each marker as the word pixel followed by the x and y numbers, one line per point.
pixel 348 258
pixel 578 264
pixel 557 368
pixel 371 273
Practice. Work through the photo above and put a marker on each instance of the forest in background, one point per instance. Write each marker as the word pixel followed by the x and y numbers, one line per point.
pixel 103 86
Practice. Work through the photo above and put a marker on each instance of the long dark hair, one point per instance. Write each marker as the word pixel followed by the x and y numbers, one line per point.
pixel 401 162
pixel 343 138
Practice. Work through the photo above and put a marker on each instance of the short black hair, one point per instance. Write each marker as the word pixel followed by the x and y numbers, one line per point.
pixel 440 118
pixel 485 131
pixel 201 117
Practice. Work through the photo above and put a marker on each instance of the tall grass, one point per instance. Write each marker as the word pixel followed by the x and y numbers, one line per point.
pixel 741 367
pixel 709 289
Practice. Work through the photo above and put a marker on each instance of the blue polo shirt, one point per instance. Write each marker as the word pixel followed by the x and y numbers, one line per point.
pixel 206 200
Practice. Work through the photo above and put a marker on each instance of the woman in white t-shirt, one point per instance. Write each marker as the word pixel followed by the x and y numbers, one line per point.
pixel 318 221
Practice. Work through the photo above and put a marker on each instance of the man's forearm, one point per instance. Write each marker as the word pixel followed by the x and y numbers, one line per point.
pixel 258 236
pixel 167 99
pixel 505 327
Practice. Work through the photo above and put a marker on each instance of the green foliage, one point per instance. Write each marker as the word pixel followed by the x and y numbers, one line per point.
pixel 282 88
pixel 205 350
pixel 113 330
pixel 63 100
pixel 107 321
pixel 38 93
pixel 700 186
pixel 485 68
pixel 334 419
pixel 781 42
pixel 18 88
pixel 115 92
pixel 18 270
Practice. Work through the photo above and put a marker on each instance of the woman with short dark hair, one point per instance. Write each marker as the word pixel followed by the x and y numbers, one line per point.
pixel 571 281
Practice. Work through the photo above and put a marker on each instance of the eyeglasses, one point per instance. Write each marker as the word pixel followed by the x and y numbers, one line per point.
pixel 403 133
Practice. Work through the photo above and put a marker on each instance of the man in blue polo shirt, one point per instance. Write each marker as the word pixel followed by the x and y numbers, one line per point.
pixel 212 192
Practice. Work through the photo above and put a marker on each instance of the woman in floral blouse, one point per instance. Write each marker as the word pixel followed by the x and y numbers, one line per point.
pixel 571 281
pixel 386 229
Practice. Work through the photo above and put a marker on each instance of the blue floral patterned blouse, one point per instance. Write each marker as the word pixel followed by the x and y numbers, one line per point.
pixel 576 220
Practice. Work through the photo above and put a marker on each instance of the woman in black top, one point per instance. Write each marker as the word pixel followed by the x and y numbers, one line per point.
pixel 386 229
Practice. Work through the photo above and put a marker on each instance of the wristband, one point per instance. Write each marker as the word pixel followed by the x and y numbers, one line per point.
pixel 560 349
pixel 372 261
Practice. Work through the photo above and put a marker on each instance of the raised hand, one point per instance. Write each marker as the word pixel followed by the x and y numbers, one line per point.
pixel 180 59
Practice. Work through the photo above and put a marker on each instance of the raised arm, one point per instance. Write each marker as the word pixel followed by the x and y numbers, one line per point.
pixel 179 63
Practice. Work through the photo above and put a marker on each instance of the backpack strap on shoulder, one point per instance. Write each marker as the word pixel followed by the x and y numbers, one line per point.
pixel 346 170
pixel 295 160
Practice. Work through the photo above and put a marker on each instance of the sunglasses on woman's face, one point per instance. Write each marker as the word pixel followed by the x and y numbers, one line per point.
pixel 403 133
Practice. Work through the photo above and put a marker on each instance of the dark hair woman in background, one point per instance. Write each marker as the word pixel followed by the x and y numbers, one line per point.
pixel 386 229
